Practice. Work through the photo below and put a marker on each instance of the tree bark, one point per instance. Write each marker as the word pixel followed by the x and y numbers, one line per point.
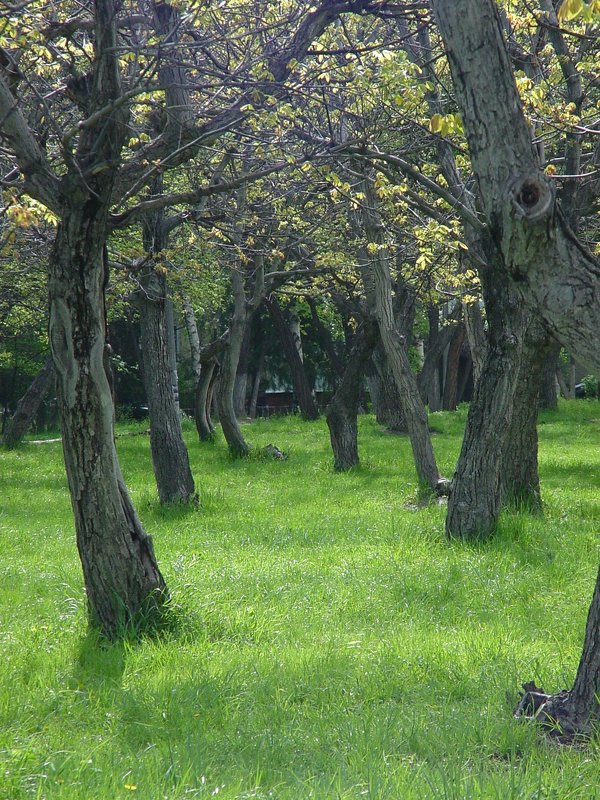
pixel 28 406
pixel 450 396
pixel 475 496
pixel 302 388
pixel 553 271
pixel 169 454
pixel 384 393
pixel 548 396
pixel 520 482
pixel 342 411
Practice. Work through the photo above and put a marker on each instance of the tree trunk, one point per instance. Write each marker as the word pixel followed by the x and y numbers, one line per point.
pixel 302 388
pixel 240 387
pixel 120 572
pixel 520 482
pixel 342 411
pixel 548 396
pixel 169 454
pixel 231 355
pixel 450 397
pixel 203 400
pixel 384 393
pixel 555 274
pixel 474 502
pixel 378 289
pixel 28 406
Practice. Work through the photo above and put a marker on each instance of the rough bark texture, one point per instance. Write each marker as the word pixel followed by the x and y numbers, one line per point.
pixel 342 411
pixel 554 272
pixel 520 482
pixel 475 497
pixel 384 393
pixel 120 572
pixel 169 454
pixel 28 406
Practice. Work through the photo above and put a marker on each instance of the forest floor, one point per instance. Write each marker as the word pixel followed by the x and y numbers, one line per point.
pixel 327 641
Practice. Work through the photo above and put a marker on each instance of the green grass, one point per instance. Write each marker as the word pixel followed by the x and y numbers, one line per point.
pixel 331 643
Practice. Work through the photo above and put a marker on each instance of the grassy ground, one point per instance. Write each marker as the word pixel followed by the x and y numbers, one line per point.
pixel 331 643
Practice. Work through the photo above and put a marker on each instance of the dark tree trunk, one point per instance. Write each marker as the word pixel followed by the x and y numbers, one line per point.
pixel 556 275
pixel 548 396
pixel 474 502
pixel 450 397
pixel 428 379
pixel 169 454
pixel 302 388
pixel 520 482
pixel 229 364
pixel 384 394
pixel 342 411
pixel 240 387
pixel 120 572
pixel 28 406
pixel 327 344
pixel 203 400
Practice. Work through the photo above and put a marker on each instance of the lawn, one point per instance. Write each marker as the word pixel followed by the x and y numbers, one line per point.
pixel 327 641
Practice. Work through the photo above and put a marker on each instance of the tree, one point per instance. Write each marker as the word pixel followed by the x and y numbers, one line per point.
pixel 554 273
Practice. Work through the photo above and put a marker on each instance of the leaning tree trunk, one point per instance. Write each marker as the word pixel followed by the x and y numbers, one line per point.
pixel 169 454
pixel 28 406
pixel 378 288
pixel 120 572
pixel 554 272
pixel 342 411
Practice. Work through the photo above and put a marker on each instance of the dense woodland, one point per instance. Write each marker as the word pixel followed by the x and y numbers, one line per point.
pixel 377 204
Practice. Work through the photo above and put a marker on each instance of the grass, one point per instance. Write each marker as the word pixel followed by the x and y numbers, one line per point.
pixel 331 643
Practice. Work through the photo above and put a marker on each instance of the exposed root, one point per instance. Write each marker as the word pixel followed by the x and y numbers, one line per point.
pixel 555 714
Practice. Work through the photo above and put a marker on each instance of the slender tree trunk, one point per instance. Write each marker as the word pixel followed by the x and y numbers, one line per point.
pixel 378 288
pixel 547 394
pixel 169 454
pixel 450 397
pixel 28 406
pixel 302 388
pixel 227 417
pixel 203 400
pixel 240 387
pixel 342 411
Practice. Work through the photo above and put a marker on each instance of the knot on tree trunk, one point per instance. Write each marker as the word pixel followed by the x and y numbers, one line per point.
pixel 532 196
